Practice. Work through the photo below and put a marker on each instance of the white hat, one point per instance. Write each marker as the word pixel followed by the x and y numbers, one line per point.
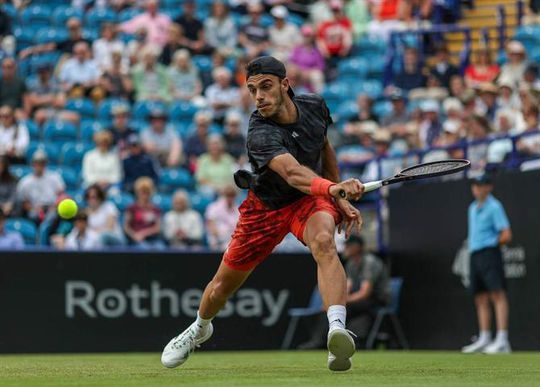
pixel 279 12
pixel 429 105
pixel 451 126
pixel 452 103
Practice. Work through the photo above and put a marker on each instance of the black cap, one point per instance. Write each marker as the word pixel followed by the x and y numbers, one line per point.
pixel 355 239
pixel 267 65
pixel 483 179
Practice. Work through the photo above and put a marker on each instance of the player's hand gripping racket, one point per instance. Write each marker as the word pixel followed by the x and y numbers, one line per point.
pixel 421 171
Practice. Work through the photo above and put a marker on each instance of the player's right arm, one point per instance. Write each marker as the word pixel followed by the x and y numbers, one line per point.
pixel 301 178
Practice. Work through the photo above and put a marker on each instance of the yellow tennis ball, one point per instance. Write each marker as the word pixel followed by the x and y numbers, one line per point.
pixel 67 208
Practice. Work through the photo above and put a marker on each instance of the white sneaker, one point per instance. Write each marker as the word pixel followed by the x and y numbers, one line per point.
pixel 498 347
pixel 341 347
pixel 177 351
pixel 477 346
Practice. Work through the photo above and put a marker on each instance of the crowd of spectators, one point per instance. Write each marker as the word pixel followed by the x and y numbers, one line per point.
pixel 161 56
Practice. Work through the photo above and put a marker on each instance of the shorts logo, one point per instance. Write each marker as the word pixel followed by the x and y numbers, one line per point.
pixel 295 135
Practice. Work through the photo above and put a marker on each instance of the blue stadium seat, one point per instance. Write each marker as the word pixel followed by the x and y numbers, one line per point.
pixel 36 15
pixel 84 106
pixel 372 88
pixel 121 200
pixel 376 66
pixel 73 153
pixel 181 111
pixel 172 3
pixel 334 93
pixel 24 37
pixel 48 35
pixel 296 20
pixel 19 171
pixel 382 108
pixel 96 17
pixel 91 33
pixel 49 58
pixel 52 150
pixel 174 178
pixel 200 202
pixel 78 196
pixel 353 68
pixel 70 175
pixel 534 54
pixel 62 13
pixel 314 308
pixel 203 63
pixel 59 131
pixel 141 109
pixel 10 10
pixel 164 202
pixel 105 107
pixel 529 36
pixel 88 128
pixel 33 130
pixel 128 14
pixel 172 13
pixel 25 227
pixel 346 110
pixel 182 128
pixel 138 125
pixel 370 45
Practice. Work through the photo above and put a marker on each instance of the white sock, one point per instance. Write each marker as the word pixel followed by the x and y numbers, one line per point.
pixel 485 336
pixel 502 336
pixel 337 314
pixel 201 322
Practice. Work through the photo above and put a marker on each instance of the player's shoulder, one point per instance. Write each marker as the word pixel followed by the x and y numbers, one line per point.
pixel 309 99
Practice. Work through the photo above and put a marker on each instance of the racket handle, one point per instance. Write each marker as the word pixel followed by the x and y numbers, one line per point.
pixel 372 186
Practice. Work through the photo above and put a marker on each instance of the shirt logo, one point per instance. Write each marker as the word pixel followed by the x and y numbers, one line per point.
pixel 295 135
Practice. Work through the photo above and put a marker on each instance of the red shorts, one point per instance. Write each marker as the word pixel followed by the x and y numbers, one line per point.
pixel 260 229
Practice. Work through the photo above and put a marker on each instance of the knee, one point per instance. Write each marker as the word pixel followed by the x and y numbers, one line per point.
pixel 323 245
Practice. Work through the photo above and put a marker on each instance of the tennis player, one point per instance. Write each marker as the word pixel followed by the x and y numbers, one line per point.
pixel 294 188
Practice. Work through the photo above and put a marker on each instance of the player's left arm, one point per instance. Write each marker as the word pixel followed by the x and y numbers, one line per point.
pixel 330 168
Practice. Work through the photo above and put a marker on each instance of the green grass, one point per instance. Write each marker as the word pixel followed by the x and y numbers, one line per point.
pixel 272 369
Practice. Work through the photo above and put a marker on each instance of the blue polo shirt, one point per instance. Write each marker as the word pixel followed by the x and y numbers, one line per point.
pixel 486 223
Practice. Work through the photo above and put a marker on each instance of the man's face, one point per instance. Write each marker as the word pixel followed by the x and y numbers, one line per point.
pixel 8 68
pixel 80 52
pixel 158 123
pixel 120 121
pixel 179 203
pixel 481 191
pixel 135 149
pixel 74 29
pixel 39 167
pixel 267 92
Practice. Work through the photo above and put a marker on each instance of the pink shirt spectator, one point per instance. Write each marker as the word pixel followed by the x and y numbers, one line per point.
pixel 307 58
pixel 156 26
pixel 224 218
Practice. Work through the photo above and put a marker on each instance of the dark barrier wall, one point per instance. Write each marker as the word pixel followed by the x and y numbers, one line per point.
pixel 428 225
pixel 64 302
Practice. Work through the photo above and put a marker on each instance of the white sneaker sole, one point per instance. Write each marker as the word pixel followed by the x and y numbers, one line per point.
pixel 341 346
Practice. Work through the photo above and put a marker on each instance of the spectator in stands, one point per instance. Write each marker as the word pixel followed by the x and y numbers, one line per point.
pixel 368 288
pixel 221 217
pixel 14 138
pixel 283 35
pixel 138 164
pixel 358 13
pixel 504 125
pixel 431 126
pixel 79 74
pixel 120 129
pixel 530 76
pixel 136 45
pixel 254 37
pixel 507 99
pixel 103 217
pixel 175 41
pixel 150 79
pixel 482 70
pixel 334 36
pixel 309 59
pixel 478 129
pixel 320 12
pixel 101 165
pixel 222 95
pixel 488 94
pixel 184 76
pixel 75 36
pixel 365 110
pixel 411 77
pixel 529 144
pixel 155 23
pixel 12 87
pixel 196 143
pixel 161 141
pixel 214 168
pixel 142 220
pixel 193 30
pixel 389 167
pixel 115 81
pixel 386 17
pixel 457 86
pixel 7 41
pixel 219 29
pixel 359 145
pixel 38 191
pixel 82 237
pixel 9 240
pixel 416 13
pixel 103 47
pixel 45 98
pixel 182 225
pixel 235 141
pixel 8 187
pixel 399 115
pixel 514 68
pixel 443 70
pixel 450 136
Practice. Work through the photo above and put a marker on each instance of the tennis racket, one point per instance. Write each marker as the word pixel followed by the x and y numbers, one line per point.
pixel 421 171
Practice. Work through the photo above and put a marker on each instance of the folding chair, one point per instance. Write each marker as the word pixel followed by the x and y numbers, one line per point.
pixel 314 307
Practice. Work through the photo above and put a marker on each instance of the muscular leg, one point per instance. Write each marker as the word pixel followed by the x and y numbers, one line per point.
pixel 319 237
pixel 500 302
pixel 482 311
pixel 225 282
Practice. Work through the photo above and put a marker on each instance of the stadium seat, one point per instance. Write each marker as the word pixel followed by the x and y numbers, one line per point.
pixel 33 130
pixel 138 125
pixel 88 128
pixel 529 36
pixel 172 13
pixel 369 45
pixel 181 111
pixel 382 108
pixel 84 106
pixel 36 15
pixel 47 58
pixel 70 176
pixel 48 35
pixel 52 150
pixel 372 88
pixel 104 109
pixel 346 110
pixel 59 131
pixel 200 202
pixel 203 63
pixel 376 67
pixel 121 200
pixel 96 17
pixel 128 14
pixel 62 13
pixel 19 171
pixel 25 227
pixel 73 153
pixel 164 202
pixel 91 33
pixel 142 109
pixel 182 128
pixel 390 311
pixel 353 68
pixel 174 178
pixel 10 10
pixel 24 37
pixel 314 307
